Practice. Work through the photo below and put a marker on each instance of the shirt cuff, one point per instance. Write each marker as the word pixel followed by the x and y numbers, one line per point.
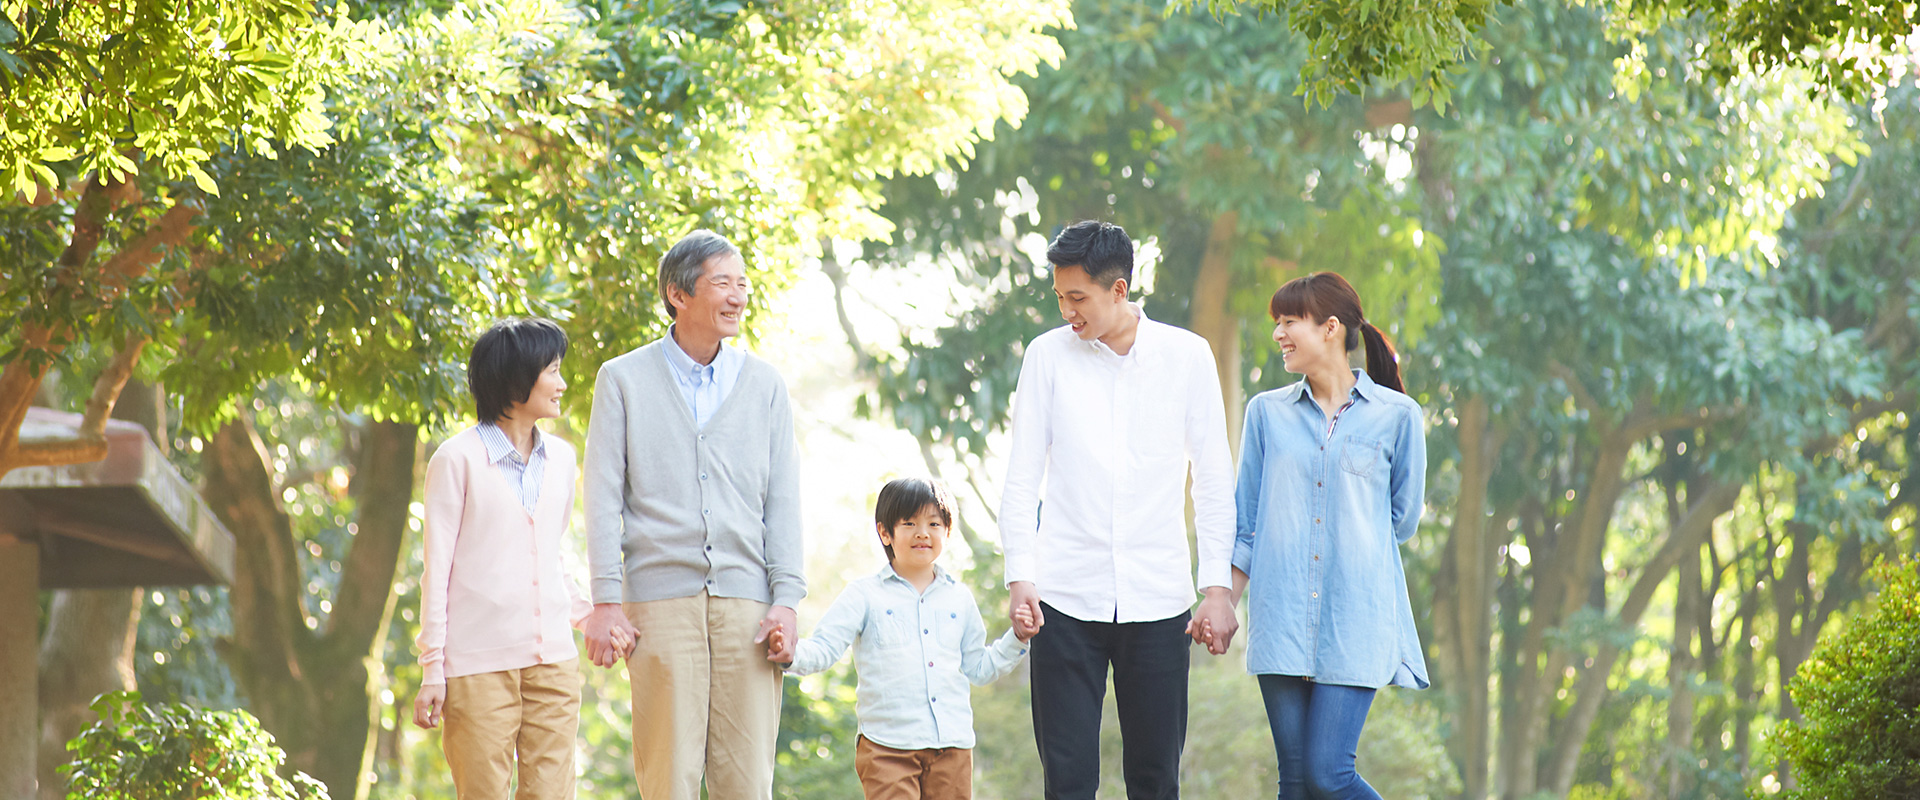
pixel 608 590
pixel 434 674
pixel 1212 575
pixel 1243 556
pixel 1011 648
pixel 788 594
pixel 1019 568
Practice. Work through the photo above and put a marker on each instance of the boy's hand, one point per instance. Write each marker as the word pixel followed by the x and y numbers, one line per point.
pixel 787 623
pixel 610 637
pixel 1023 621
pixel 427 705
pixel 1023 594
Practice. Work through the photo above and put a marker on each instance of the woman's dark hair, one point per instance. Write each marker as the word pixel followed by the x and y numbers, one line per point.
pixel 1101 249
pixel 1326 294
pixel 902 498
pixel 507 361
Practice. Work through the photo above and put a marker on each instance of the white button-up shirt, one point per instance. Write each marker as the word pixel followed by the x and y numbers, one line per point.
pixel 1109 439
pixel 915 653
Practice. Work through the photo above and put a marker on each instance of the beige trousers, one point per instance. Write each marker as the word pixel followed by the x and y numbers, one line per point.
pixel 496 719
pixel 706 701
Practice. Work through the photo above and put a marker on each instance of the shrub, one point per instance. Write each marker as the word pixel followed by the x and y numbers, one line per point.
pixel 177 752
pixel 1860 694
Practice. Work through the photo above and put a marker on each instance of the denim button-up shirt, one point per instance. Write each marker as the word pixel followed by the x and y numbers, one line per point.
pixel 915 653
pixel 1321 520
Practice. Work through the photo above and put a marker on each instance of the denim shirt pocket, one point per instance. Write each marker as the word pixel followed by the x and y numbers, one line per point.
pixel 1360 456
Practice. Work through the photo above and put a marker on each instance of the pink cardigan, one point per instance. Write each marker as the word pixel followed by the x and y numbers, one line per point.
pixel 494 596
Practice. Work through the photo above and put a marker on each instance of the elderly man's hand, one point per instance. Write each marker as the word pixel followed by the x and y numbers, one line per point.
pixel 779 648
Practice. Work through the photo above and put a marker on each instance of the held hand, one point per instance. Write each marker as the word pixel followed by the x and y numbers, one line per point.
pixel 1214 623
pixel 609 636
pixel 1023 621
pixel 1023 594
pixel 783 620
pixel 427 705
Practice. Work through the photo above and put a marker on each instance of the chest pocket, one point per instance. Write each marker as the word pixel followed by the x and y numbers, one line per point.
pixel 892 626
pixel 1360 457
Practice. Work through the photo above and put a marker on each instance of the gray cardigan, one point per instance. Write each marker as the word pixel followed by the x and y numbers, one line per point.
pixel 672 509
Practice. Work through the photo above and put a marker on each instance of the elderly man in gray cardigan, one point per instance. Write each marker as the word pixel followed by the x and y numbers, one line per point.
pixel 693 535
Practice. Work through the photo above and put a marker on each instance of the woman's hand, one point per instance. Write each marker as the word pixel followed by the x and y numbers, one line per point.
pixel 427 705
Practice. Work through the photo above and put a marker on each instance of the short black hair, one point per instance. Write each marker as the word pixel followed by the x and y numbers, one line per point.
pixel 1102 249
pixel 902 498
pixel 508 359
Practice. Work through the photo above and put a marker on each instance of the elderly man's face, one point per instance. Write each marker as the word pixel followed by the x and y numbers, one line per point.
pixel 719 298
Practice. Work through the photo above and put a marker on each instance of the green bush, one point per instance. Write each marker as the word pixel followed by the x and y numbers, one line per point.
pixel 171 751
pixel 1860 694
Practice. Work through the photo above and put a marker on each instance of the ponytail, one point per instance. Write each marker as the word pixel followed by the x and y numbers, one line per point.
pixel 1383 364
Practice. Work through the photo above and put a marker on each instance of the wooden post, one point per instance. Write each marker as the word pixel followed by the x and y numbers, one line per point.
pixel 19 663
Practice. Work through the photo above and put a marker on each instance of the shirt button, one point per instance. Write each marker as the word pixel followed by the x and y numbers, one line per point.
pixel 1316 594
pixel 703 476
pixel 926 630
pixel 709 581
pixel 933 699
pixel 709 512
pixel 929 663
pixel 1316 520
pixel 1316 483
pixel 1316 556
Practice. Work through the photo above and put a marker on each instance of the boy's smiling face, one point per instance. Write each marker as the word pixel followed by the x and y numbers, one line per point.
pixel 918 540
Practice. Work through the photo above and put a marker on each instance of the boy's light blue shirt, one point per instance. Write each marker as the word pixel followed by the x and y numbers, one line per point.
pixel 1321 521
pixel 915 654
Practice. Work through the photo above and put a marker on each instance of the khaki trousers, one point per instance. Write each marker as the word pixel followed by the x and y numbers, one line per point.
pixel 889 774
pixel 706 701
pixel 528 716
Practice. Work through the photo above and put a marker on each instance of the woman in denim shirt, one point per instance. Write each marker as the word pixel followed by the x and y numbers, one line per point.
pixel 1332 473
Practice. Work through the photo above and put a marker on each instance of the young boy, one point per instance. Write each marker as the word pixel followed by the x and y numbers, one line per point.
pixel 495 605
pixel 917 639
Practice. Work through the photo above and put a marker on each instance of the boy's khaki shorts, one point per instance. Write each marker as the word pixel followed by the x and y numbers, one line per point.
pixel 938 774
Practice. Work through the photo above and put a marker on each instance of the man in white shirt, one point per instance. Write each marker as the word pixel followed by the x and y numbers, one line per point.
pixel 1111 411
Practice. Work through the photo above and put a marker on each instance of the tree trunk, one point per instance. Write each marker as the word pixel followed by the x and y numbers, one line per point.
pixel 312 687
pixel 1212 317
pixel 1592 688
pixel 1681 667
pixel 1467 607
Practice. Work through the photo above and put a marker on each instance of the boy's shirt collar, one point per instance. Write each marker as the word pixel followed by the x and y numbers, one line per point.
pixel 939 576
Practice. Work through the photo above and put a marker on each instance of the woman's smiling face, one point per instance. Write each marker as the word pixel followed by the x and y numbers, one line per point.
pixel 1305 344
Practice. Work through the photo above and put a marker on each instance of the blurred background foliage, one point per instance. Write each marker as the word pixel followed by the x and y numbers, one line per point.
pixel 1656 300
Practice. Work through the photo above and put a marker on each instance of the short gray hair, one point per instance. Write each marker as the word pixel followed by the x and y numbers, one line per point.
pixel 683 265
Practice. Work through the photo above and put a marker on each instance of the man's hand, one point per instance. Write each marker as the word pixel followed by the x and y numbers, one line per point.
pixel 610 637
pixel 782 621
pixel 427 705
pixel 1214 622
pixel 1023 620
pixel 1024 595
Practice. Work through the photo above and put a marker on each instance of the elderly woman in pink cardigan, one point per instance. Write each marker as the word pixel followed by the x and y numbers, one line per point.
pixel 497 609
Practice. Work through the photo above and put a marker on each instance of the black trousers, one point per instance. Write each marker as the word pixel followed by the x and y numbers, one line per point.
pixel 1149 660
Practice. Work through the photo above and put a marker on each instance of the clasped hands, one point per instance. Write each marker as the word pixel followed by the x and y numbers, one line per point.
pixel 610 637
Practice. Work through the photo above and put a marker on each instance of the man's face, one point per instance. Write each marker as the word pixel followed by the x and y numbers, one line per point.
pixel 1093 310
pixel 719 298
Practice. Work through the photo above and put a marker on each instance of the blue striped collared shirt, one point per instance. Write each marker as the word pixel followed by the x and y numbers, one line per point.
pixel 523 476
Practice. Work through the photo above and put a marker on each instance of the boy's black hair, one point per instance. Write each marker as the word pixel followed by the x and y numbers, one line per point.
pixel 508 359
pixel 1102 249
pixel 902 498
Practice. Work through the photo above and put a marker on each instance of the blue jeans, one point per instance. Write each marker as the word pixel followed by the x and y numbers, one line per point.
pixel 1316 727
